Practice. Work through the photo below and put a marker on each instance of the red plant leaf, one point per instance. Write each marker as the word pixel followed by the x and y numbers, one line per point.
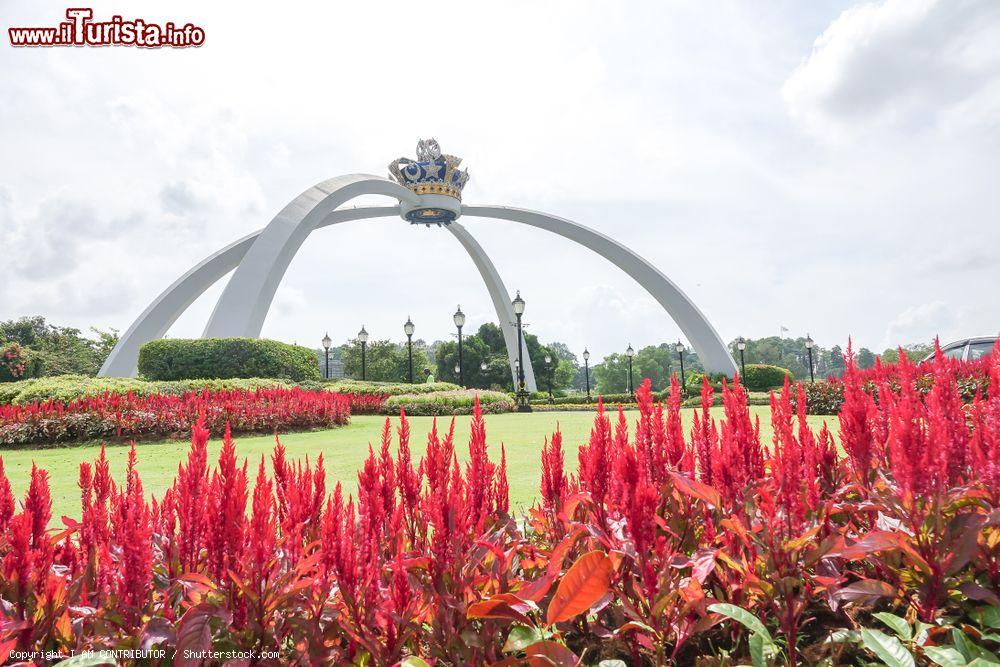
pixel 586 582
pixel 695 489
pixel 536 589
pixel 553 651
pixel 867 590
pixel 875 541
pixel 194 633
pixel 504 607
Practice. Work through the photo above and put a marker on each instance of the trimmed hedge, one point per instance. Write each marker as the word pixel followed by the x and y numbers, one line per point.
pixel 224 358
pixel 65 388
pixel 379 388
pixel 761 377
pixel 457 402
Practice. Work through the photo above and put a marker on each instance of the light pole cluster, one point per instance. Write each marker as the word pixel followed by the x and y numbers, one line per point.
pixel 523 402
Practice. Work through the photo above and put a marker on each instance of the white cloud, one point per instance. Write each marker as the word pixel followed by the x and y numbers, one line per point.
pixel 911 64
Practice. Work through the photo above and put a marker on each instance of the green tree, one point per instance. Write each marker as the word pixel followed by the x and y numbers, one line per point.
pixel 866 358
pixel 474 353
pixel 385 361
pixel 58 350
pixel 611 375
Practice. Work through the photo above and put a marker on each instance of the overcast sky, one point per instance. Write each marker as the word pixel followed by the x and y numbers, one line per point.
pixel 830 167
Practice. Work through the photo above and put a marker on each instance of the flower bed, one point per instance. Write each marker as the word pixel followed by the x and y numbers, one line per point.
pixel 971 378
pixel 455 402
pixel 660 548
pixel 129 416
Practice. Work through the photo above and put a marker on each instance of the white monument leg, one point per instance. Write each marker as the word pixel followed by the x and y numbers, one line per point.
pixel 501 302
pixel 696 327
pixel 244 303
pixel 168 306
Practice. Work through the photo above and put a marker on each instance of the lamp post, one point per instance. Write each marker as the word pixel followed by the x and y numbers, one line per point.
pixel 680 355
pixel 326 349
pixel 586 370
pixel 629 352
pixel 741 345
pixel 548 373
pixel 408 329
pixel 522 396
pixel 459 319
pixel 809 349
pixel 363 339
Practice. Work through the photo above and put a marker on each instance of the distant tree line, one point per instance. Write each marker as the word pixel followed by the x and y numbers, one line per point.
pixel 55 350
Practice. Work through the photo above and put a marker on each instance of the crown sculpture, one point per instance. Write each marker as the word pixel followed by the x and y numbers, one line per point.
pixel 431 175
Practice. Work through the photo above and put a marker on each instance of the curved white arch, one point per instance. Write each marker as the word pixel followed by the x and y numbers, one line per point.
pixel 247 297
pixel 501 302
pixel 154 322
pixel 261 259
pixel 700 333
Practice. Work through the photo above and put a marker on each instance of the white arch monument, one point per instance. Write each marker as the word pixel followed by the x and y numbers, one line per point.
pixel 427 191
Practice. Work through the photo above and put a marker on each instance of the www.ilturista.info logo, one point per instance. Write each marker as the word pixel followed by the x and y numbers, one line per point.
pixel 82 30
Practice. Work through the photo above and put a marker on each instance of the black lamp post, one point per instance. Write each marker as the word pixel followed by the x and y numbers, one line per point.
pixel 363 339
pixel 522 396
pixel 586 370
pixel 629 352
pixel 741 345
pixel 548 373
pixel 680 355
pixel 408 329
pixel 809 349
pixel 459 319
pixel 326 349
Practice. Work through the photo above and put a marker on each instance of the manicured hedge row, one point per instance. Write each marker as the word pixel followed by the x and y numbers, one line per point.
pixel 693 401
pixel 457 402
pixel 65 388
pixel 186 359
pixel 378 388
pixel 761 377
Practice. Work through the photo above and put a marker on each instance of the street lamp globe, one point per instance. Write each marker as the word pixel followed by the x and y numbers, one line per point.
pixel 327 342
pixel 741 344
pixel 809 342
pixel 586 354
pixel 629 352
pixel 679 347
pixel 482 366
pixel 363 335
pixel 548 359
pixel 458 369
pixel 459 318
pixel 409 328
pixel 518 304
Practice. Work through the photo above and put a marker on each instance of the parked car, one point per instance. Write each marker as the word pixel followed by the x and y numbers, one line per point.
pixel 967 349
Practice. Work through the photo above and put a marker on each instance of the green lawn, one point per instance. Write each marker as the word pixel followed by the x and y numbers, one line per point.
pixel 343 449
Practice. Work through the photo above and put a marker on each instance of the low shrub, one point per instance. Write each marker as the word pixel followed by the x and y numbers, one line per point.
pixel 66 388
pixel 199 358
pixel 761 377
pixel 454 402
pixel 381 388
pixel 129 416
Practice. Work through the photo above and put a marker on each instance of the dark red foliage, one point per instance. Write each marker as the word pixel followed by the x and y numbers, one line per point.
pixel 127 416
pixel 621 560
